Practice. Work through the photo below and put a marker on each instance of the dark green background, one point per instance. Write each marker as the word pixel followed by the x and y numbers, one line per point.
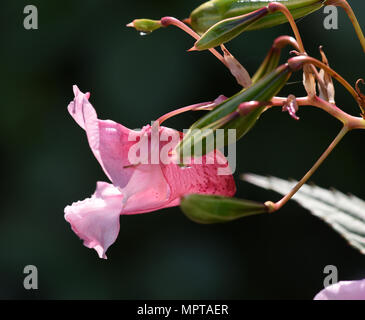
pixel 47 164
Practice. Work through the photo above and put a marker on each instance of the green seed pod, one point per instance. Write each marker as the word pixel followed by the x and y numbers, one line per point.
pixel 228 29
pixel 273 57
pixel 145 25
pixel 214 11
pixel 270 63
pixel 214 209
pixel 228 116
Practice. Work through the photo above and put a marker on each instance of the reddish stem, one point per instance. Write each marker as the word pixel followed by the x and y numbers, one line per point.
pixel 348 120
pixel 168 21
pixel 198 106
pixel 277 6
pixel 272 207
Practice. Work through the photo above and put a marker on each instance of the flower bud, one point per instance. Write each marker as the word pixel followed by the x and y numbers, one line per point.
pixel 145 25
pixel 214 209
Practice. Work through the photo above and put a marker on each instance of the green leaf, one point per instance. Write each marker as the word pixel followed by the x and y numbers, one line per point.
pixel 344 213
pixel 214 209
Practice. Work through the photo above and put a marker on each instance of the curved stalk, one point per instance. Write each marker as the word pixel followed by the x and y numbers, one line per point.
pixel 198 106
pixel 168 21
pixel 344 5
pixel 277 6
pixel 350 121
pixel 272 207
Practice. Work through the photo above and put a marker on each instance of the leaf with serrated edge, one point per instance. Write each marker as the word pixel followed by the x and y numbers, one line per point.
pixel 344 213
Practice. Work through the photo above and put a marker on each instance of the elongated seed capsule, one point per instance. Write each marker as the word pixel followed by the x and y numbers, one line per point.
pixel 227 115
pixel 211 12
pixel 228 29
pixel 273 57
pixel 208 209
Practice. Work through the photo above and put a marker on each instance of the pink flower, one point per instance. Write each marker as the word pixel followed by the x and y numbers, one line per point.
pixel 136 187
pixel 343 290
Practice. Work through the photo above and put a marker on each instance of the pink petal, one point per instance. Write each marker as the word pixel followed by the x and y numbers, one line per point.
pixel 137 187
pixel 107 139
pixel 110 144
pixel 201 178
pixel 146 191
pixel 96 219
pixel 343 290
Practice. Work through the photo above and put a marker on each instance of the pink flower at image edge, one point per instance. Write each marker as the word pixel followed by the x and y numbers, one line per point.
pixel 343 290
pixel 135 188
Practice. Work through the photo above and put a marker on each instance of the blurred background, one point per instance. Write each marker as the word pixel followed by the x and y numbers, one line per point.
pixel 47 163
